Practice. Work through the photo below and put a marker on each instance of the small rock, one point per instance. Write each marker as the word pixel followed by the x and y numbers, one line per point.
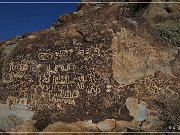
pixel 63 127
pixel 121 126
pixel 52 28
pixel 138 111
pixel 106 125
pixel 146 126
pixel 131 104
pixel 79 13
pixel 31 36
pixel 90 127
pixel 25 127
pixel 142 113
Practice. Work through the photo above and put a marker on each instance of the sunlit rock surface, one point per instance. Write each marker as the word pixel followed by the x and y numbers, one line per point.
pixel 103 68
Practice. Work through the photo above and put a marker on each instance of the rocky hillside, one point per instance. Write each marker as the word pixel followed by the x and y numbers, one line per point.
pixel 107 67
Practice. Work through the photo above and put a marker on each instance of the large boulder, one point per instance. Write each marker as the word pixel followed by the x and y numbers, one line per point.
pixel 95 65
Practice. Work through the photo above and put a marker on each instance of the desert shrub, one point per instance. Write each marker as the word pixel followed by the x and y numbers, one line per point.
pixel 169 29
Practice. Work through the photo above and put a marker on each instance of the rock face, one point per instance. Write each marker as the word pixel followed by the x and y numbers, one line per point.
pixel 103 65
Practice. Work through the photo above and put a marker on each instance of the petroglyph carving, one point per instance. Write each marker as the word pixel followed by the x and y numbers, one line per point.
pixel 93 90
pixel 14 100
pixel 11 100
pixel 51 81
pixel 45 54
pixel 123 33
pixel 12 67
pixel 108 88
pixel 76 78
pixel 23 101
pixel 23 66
pixel 46 78
pixel 156 86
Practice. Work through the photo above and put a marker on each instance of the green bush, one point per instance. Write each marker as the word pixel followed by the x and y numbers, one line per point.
pixel 169 29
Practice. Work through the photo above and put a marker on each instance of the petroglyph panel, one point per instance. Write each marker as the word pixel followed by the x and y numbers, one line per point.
pixel 50 78
pixel 76 79
pixel 63 81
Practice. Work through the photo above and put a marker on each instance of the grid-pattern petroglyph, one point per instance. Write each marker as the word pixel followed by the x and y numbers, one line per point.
pixel 157 85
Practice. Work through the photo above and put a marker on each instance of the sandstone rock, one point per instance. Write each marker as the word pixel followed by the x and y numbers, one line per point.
pixel 12 117
pixel 131 104
pixel 122 126
pixel 61 127
pixel 27 127
pixel 90 127
pixel 132 61
pixel 162 9
pixel 104 64
pixel 106 125
pixel 138 111
pixel 146 127
pixel 80 126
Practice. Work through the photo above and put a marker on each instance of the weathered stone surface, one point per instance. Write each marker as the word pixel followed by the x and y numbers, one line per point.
pixel 106 125
pixel 11 117
pixel 71 128
pixel 27 127
pixel 139 57
pixel 132 106
pixel 162 9
pixel 89 126
pixel 63 127
pixel 93 66
pixel 138 111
